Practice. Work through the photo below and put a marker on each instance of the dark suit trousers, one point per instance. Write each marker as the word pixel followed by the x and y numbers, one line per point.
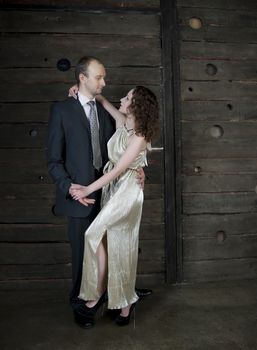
pixel 76 233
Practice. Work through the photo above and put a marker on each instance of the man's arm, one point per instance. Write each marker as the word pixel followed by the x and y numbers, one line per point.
pixel 55 150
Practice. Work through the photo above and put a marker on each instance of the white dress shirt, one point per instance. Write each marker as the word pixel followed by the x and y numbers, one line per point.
pixel 84 100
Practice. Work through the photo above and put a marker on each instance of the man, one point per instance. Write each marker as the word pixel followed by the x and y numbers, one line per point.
pixel 78 132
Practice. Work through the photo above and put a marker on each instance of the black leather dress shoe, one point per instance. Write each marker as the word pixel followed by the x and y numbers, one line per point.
pixel 83 321
pixel 141 293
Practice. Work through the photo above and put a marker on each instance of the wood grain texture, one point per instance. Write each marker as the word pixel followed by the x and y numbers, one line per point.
pixel 220 270
pixel 207 225
pixel 218 135
pixel 220 166
pixel 33 241
pixel 232 70
pixel 77 22
pixel 200 203
pixel 90 4
pixel 38 51
pixel 218 51
pixel 219 4
pixel 219 183
pixel 234 247
pixel 231 110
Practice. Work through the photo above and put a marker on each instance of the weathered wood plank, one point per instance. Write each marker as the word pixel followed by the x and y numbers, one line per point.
pixel 234 247
pixel 47 191
pixel 114 76
pixel 231 110
pixel 238 140
pixel 21 233
pixel 37 273
pixel 219 166
pixel 143 280
pixel 220 149
pixel 32 50
pixel 218 51
pixel 224 18
pixel 79 22
pixel 218 90
pixel 58 91
pixel 109 4
pixel 23 166
pixel 23 135
pixel 220 4
pixel 218 270
pixel 233 131
pixel 208 225
pixel 232 70
pixel 59 253
pixel 219 183
pixel 222 203
pixel 24 112
pixel 219 34
pixel 40 211
pixel 29 166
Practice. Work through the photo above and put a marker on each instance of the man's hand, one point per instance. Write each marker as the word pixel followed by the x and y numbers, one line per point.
pixel 73 91
pixel 141 177
pixel 86 201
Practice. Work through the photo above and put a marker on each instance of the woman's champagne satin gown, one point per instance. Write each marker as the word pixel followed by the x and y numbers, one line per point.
pixel 119 219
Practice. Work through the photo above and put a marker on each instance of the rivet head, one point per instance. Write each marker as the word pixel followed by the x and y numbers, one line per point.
pixel 197 169
pixel 216 131
pixel 33 133
pixel 211 69
pixel 195 23
pixel 63 65
pixel 221 236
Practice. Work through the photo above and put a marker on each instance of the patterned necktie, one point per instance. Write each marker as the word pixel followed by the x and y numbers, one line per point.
pixel 97 158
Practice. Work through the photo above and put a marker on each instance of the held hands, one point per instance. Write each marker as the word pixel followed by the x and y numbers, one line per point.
pixel 80 193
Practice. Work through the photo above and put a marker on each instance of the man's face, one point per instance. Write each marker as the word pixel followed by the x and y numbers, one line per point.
pixel 93 83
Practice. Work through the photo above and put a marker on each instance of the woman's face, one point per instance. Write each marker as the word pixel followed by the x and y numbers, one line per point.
pixel 125 103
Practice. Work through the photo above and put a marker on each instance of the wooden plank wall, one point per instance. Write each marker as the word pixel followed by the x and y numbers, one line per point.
pixel 33 242
pixel 219 143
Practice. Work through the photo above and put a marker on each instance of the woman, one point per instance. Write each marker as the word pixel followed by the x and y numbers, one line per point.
pixel 111 241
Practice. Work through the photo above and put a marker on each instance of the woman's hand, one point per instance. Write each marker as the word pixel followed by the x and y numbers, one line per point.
pixel 141 177
pixel 73 91
pixel 78 192
pixel 100 98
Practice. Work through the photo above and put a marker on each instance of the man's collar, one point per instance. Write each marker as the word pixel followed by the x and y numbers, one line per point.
pixel 84 99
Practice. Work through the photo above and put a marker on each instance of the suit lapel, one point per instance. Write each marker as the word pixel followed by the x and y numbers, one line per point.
pixel 79 110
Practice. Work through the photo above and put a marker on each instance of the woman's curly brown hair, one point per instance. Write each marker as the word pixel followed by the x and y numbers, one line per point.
pixel 144 106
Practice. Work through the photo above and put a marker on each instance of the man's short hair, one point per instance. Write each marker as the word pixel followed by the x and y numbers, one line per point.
pixel 82 66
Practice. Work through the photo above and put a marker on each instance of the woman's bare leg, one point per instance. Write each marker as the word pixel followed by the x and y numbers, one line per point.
pixel 102 262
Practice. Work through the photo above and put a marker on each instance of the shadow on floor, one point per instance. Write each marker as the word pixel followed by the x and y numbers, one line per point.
pixel 210 316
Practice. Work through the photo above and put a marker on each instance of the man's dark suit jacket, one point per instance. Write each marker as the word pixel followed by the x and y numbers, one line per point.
pixel 69 152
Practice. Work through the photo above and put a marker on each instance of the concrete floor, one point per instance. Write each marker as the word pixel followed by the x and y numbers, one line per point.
pixel 213 316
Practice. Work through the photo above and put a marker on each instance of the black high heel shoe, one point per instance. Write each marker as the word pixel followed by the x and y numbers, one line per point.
pixel 124 320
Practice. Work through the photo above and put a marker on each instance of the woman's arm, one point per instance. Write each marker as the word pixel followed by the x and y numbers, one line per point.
pixel 114 112
pixel 136 145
